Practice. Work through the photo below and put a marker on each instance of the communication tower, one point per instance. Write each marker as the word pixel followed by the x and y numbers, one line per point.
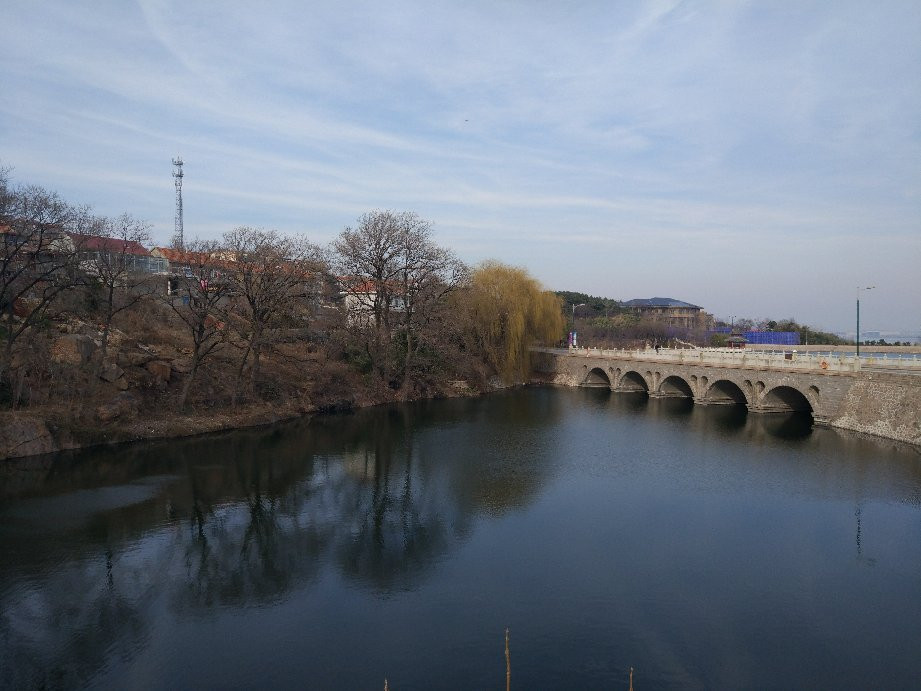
pixel 178 240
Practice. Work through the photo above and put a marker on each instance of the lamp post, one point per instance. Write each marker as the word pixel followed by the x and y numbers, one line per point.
pixel 858 315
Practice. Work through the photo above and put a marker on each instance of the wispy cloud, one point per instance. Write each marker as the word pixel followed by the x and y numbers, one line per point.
pixel 617 148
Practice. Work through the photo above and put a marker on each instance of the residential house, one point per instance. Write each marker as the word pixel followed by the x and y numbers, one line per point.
pixel 135 257
pixel 33 256
pixel 184 264
pixel 33 240
pixel 360 297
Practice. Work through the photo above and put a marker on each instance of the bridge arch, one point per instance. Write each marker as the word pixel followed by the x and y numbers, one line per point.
pixel 597 377
pixel 632 381
pixel 724 392
pixel 786 398
pixel 674 386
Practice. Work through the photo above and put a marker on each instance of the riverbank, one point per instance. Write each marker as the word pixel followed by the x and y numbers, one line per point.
pixel 132 393
pixel 134 399
pixel 47 431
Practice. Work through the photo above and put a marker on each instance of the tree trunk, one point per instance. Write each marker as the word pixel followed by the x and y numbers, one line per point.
pixel 7 356
pixel 188 382
pixel 236 385
pixel 257 351
pixel 407 362
pixel 103 351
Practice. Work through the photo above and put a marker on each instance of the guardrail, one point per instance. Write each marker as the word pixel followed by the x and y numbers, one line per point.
pixel 784 360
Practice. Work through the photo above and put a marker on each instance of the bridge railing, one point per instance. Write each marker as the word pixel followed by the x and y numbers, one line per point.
pixel 791 360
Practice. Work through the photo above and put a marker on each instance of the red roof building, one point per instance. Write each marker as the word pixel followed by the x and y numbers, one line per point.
pixel 99 243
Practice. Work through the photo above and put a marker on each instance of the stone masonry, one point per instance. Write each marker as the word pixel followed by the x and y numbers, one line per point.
pixel 884 404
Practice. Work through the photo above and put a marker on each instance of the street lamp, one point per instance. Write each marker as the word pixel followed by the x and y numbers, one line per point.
pixel 858 315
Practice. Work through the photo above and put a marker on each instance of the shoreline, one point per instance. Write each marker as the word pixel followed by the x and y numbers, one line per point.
pixel 42 436
pixel 44 432
pixel 59 440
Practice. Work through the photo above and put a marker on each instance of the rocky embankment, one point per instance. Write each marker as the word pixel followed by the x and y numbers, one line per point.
pixel 132 395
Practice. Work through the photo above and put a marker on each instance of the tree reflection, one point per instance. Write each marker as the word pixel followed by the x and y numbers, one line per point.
pixel 57 631
pixel 396 529
pixel 246 543
pixel 112 539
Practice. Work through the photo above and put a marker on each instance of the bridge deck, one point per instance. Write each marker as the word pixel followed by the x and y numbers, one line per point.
pixel 779 361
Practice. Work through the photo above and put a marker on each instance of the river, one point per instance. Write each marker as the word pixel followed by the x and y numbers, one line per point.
pixel 703 547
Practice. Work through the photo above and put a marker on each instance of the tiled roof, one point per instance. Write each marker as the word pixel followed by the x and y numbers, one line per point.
pixel 175 256
pixel 659 302
pixel 359 285
pixel 97 243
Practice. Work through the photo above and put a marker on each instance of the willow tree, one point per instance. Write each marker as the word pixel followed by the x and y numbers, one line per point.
pixel 508 311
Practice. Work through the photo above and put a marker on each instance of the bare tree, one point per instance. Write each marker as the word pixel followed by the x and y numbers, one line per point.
pixel 368 259
pixel 198 302
pixel 394 277
pixel 428 275
pixel 111 255
pixel 37 260
pixel 270 276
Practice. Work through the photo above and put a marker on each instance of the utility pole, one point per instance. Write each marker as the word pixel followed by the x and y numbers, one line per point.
pixel 178 238
pixel 858 318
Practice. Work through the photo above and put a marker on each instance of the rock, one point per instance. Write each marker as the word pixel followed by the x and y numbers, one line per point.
pixel 73 349
pixel 25 436
pixel 19 358
pixel 496 384
pixel 23 307
pixel 91 330
pixel 117 337
pixel 159 369
pixel 134 358
pixel 111 372
pixel 124 405
pixel 136 355
pixel 181 366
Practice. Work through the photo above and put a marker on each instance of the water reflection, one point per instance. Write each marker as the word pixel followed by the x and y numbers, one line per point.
pixel 242 520
pixel 731 420
pixel 101 546
pixel 797 425
pixel 787 447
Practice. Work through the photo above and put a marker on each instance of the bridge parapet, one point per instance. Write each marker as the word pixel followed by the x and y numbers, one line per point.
pixel 755 359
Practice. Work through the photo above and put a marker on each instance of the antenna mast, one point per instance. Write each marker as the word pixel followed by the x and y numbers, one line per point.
pixel 178 239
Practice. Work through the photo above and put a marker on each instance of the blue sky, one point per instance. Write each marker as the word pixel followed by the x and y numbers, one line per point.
pixel 755 158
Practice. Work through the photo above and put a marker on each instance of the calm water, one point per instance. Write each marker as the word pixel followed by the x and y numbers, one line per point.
pixel 703 547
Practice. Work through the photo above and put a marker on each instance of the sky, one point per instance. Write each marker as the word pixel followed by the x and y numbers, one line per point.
pixel 758 159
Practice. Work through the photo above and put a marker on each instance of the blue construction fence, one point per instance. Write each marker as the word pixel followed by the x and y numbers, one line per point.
pixel 786 338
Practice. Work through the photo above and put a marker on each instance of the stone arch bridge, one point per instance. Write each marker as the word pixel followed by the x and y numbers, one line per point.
pixel 876 397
